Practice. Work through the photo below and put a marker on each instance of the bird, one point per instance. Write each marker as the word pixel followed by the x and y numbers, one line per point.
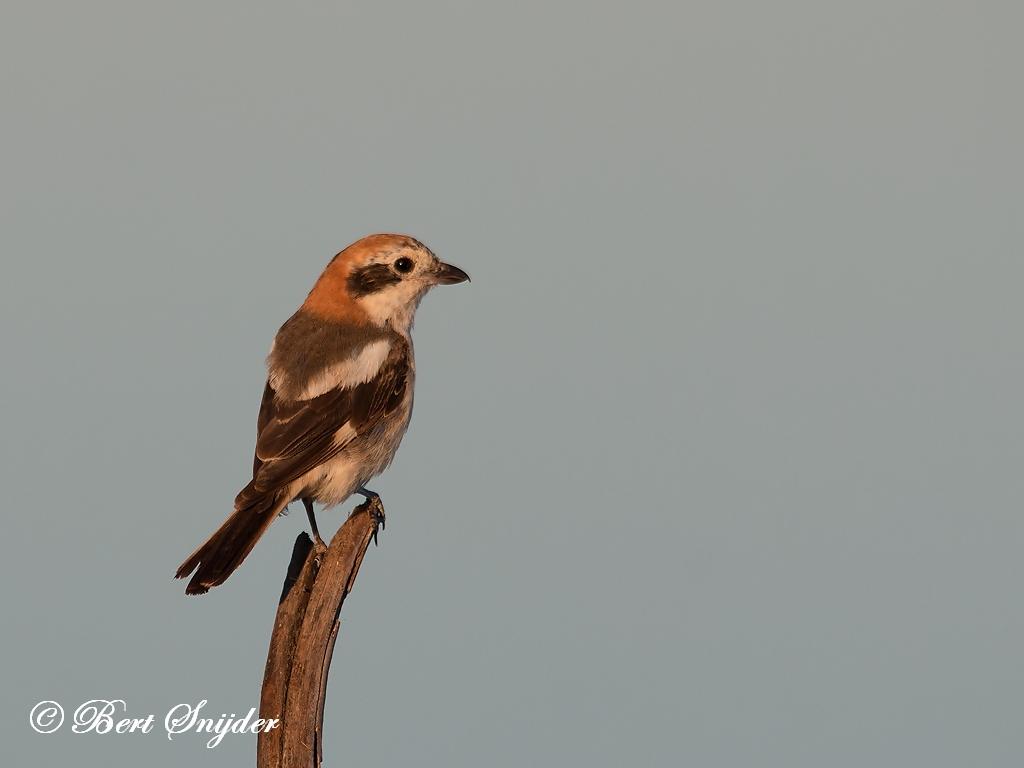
pixel 338 396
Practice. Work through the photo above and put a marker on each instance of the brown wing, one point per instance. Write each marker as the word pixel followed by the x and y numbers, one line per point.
pixel 295 437
pixel 268 409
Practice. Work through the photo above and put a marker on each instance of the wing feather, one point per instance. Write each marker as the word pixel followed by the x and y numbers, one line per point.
pixel 296 437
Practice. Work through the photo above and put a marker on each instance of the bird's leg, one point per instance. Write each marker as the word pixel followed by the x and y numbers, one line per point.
pixel 375 508
pixel 317 541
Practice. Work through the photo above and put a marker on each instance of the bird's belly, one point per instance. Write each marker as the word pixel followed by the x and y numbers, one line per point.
pixel 361 460
pixel 332 482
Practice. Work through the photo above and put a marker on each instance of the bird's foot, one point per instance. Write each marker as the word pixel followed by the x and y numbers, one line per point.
pixel 318 544
pixel 375 508
pixel 319 549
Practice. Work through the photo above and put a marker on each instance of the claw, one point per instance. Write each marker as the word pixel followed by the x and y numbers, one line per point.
pixel 375 508
pixel 320 550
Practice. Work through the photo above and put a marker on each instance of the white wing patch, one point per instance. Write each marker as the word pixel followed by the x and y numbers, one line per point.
pixel 350 372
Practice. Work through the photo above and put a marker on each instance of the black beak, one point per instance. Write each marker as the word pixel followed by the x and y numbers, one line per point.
pixel 446 274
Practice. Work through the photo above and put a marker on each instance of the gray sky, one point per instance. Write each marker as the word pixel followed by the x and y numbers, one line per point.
pixel 716 462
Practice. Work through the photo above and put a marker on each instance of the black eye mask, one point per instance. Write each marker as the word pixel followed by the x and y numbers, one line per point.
pixel 371 279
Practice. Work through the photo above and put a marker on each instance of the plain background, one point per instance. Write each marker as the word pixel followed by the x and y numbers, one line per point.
pixel 716 462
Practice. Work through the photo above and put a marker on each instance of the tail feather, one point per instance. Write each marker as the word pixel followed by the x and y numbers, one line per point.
pixel 225 550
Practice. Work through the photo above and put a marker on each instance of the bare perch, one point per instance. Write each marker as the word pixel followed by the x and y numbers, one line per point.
pixel 305 629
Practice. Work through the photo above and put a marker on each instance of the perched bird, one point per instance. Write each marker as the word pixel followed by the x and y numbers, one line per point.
pixel 338 396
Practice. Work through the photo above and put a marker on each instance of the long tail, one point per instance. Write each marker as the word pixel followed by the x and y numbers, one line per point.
pixel 217 559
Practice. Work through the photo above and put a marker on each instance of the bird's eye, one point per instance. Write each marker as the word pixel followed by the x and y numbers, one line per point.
pixel 404 265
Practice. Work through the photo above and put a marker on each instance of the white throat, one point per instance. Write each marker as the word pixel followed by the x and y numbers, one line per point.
pixel 394 308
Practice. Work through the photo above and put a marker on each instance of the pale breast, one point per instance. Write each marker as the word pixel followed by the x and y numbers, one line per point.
pixel 360 461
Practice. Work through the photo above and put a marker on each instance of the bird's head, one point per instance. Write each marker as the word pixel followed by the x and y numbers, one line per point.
pixel 379 280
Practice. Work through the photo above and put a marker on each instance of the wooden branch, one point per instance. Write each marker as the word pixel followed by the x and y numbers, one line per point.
pixel 291 608
pixel 305 630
